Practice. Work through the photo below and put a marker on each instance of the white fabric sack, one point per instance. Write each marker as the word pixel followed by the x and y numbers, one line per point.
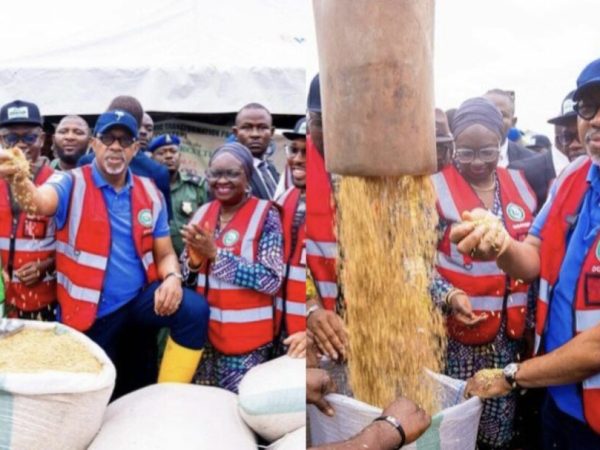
pixel 54 410
pixel 453 428
pixel 296 440
pixel 174 416
pixel 272 397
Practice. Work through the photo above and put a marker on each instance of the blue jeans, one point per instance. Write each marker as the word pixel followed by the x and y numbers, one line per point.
pixel 128 335
pixel 563 432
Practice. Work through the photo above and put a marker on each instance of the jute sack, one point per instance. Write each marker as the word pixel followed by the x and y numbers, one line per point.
pixel 51 409
pixel 174 416
pixel 453 428
pixel 272 397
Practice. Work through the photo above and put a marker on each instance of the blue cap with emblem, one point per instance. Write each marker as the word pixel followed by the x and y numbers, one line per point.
pixel 590 76
pixel 116 118
pixel 162 140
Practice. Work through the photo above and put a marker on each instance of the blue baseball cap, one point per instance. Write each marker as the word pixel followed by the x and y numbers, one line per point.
pixel 162 140
pixel 116 118
pixel 590 76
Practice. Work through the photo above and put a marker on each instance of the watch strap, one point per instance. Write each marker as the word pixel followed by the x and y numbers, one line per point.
pixel 396 424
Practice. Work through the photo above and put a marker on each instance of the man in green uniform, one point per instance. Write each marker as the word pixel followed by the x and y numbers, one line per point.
pixel 188 191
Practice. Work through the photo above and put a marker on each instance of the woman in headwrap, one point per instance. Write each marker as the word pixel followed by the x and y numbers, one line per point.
pixel 234 245
pixel 486 310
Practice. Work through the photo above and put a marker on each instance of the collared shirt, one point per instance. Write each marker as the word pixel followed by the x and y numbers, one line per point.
pixel 560 316
pixel 503 157
pixel 125 276
pixel 265 181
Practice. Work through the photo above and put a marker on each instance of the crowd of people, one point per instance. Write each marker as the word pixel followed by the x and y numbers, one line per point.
pixel 178 276
pixel 517 274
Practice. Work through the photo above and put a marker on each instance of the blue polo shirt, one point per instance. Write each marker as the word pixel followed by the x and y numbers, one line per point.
pixel 125 275
pixel 560 326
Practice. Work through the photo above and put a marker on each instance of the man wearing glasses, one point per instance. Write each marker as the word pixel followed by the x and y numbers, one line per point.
pixel 115 265
pixel 27 241
pixel 563 249
pixel 565 130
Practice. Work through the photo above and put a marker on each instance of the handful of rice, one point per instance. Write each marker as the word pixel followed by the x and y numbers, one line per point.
pixel 33 350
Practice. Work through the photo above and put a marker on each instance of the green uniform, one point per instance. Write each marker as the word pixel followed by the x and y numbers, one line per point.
pixel 188 193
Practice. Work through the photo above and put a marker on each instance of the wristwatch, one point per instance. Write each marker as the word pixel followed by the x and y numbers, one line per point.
pixel 396 424
pixel 510 374
pixel 311 310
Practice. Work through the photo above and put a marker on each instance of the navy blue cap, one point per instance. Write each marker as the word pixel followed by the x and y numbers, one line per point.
pixel 589 76
pixel 539 140
pixel 314 95
pixel 299 130
pixel 567 111
pixel 162 140
pixel 20 113
pixel 116 118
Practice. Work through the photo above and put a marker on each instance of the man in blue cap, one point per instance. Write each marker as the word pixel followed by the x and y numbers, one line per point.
pixel 563 249
pixel 116 267
pixel 188 191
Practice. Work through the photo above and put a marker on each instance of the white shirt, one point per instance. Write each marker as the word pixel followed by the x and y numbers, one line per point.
pixel 503 158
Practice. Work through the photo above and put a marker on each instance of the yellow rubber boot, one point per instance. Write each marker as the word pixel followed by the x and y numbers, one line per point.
pixel 179 363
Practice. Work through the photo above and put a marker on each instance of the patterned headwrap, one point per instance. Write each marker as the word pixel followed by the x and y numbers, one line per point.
pixel 477 111
pixel 239 152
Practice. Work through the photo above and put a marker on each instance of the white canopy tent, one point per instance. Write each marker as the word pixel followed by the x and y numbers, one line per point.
pixel 186 56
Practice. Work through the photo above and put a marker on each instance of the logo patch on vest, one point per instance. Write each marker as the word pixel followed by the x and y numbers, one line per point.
pixel 515 212
pixel 145 218
pixel 231 237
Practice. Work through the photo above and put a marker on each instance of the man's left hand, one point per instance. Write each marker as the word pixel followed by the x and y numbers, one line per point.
pixel 167 297
pixel 484 385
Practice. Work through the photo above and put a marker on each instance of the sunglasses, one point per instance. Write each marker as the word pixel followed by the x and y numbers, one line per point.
pixel 566 138
pixel 290 150
pixel 467 155
pixel 214 175
pixel 109 139
pixel 12 139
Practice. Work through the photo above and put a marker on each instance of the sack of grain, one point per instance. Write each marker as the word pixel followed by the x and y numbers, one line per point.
pixel 453 428
pixel 174 416
pixel 55 384
pixel 272 397
pixel 295 440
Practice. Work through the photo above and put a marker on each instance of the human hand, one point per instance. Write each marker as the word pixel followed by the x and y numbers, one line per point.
pixel 297 344
pixel 487 383
pixel 13 163
pixel 318 385
pixel 414 420
pixel 463 310
pixel 329 333
pixel 312 351
pixel 200 243
pixel 31 273
pixel 480 235
pixel 168 296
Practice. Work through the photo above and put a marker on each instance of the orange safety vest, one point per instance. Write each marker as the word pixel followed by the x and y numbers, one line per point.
pixel 83 244
pixel 321 244
pixel 291 301
pixel 241 319
pixel 570 191
pixel 32 239
pixel 488 287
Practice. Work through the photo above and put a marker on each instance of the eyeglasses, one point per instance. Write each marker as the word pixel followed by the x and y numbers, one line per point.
pixel 293 151
pixel 467 155
pixel 109 139
pixel 214 175
pixel 585 110
pixel 566 138
pixel 13 138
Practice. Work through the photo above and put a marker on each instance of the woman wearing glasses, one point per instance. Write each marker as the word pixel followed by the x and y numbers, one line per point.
pixel 486 310
pixel 234 244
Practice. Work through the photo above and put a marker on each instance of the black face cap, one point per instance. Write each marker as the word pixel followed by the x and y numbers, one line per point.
pixel 20 113
pixel 314 95
pixel 567 112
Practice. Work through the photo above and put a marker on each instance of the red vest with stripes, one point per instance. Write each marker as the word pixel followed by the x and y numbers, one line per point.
pixel 241 319
pixel 321 244
pixel 488 288
pixel 292 296
pixel 34 240
pixel 83 244
pixel 571 188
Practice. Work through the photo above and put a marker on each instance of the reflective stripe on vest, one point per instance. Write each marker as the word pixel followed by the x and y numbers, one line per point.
pixel 241 315
pixel 29 245
pixel 81 257
pixel 323 249
pixel 77 292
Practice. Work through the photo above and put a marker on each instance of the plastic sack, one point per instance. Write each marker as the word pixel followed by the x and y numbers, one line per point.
pixel 174 416
pixel 272 397
pixel 296 440
pixel 54 410
pixel 453 428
